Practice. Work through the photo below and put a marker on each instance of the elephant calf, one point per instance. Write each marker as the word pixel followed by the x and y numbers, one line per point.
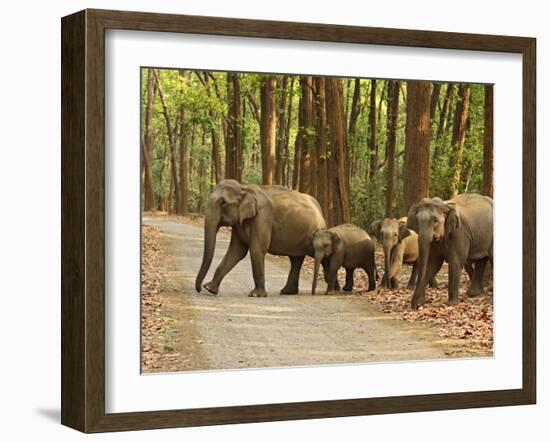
pixel 400 246
pixel 345 246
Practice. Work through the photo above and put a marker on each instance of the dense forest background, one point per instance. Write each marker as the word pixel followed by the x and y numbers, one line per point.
pixel 364 148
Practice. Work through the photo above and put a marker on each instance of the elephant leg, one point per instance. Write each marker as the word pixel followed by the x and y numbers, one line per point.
pixel 385 281
pixel 455 270
pixel 432 283
pixel 414 275
pixel 394 282
pixel 434 265
pixel 477 279
pixel 292 286
pixel 349 280
pixel 332 284
pixel 371 272
pixel 257 257
pixel 469 267
pixel 236 251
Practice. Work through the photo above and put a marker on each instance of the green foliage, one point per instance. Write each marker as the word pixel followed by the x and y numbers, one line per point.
pixel 203 97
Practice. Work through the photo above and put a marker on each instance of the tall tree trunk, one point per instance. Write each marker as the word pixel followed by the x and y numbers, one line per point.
pixel 417 143
pixel 322 157
pixel 172 142
pixel 445 110
pixel 286 162
pixel 459 135
pixel 214 136
pixel 148 190
pixel 184 158
pixel 434 100
pixel 336 123
pixel 268 128
pixel 393 113
pixel 487 185
pixel 304 132
pixel 233 140
pixel 371 140
pixel 184 163
pixel 297 149
pixel 352 128
pixel 280 145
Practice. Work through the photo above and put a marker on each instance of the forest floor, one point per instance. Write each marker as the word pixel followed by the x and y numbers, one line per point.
pixel 183 330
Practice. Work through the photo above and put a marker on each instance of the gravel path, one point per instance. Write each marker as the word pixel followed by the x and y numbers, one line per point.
pixel 233 331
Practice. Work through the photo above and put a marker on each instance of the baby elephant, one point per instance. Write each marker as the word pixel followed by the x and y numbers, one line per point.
pixel 345 245
pixel 400 246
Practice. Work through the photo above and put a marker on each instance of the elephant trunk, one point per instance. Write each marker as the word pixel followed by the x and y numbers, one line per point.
pixel 211 225
pixel 387 264
pixel 424 244
pixel 318 258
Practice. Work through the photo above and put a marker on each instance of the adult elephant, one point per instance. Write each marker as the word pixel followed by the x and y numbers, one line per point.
pixel 264 219
pixel 460 231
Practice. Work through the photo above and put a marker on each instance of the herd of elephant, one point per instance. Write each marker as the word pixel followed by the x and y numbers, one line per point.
pixel 285 222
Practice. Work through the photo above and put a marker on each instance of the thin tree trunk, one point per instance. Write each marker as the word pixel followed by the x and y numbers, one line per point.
pixel 393 113
pixel 214 137
pixel 171 141
pixel 417 143
pixel 371 140
pixel 445 110
pixel 297 149
pixel 280 146
pixel 459 135
pixel 286 162
pixel 336 122
pixel 383 96
pixel 184 161
pixel 487 185
pixel 304 132
pixel 322 154
pixel 148 190
pixel 233 141
pixel 434 100
pixel 268 128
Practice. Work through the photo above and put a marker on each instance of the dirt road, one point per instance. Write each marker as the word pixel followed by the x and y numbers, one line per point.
pixel 231 331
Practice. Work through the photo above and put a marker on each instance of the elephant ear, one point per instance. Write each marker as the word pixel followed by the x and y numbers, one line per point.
pixel 248 206
pixel 452 220
pixel 403 232
pixel 412 221
pixel 337 242
pixel 375 229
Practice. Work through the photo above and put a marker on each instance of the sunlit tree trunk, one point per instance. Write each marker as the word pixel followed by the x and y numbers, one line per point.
pixel 445 109
pixel 393 113
pixel 286 157
pixel 371 141
pixel 147 151
pixel 434 100
pixel 487 186
pixel 281 120
pixel 322 154
pixel 172 142
pixel 459 135
pixel 337 139
pixel 304 132
pixel 233 140
pixel 297 149
pixel 417 144
pixel 268 128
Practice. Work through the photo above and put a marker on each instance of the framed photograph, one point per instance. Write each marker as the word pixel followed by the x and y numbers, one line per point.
pixel 268 221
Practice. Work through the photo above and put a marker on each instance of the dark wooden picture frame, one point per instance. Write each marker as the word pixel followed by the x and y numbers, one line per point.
pixel 83 220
